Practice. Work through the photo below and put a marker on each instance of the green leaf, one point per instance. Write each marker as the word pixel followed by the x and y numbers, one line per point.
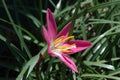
pixel 103 5
pixel 21 28
pixel 34 19
pixel 100 76
pixel 8 65
pixel 90 63
pixel 101 21
pixel 2 38
pixel 18 32
pixel 28 66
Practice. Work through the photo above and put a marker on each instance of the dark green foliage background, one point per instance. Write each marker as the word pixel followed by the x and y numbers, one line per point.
pixel 21 40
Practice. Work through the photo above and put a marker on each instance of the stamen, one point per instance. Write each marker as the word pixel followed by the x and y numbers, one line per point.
pixel 67 38
pixel 60 46
pixel 66 46
pixel 65 51
pixel 58 40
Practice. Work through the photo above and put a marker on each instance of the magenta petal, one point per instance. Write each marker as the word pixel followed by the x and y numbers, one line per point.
pixel 65 30
pixel 51 24
pixel 51 53
pixel 68 62
pixel 45 33
pixel 80 45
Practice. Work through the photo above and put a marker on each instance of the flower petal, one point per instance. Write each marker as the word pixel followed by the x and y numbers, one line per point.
pixel 45 34
pixel 68 62
pixel 51 24
pixel 51 53
pixel 65 30
pixel 80 45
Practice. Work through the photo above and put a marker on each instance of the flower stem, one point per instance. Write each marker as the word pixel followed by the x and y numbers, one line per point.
pixel 37 66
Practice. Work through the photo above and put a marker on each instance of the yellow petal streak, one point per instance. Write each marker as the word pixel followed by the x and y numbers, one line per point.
pixel 59 44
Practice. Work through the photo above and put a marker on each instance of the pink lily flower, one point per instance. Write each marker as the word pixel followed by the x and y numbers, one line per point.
pixel 60 45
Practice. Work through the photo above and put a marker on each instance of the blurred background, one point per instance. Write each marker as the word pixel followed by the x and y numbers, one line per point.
pixel 21 40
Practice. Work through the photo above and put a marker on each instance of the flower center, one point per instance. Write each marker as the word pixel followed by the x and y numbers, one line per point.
pixel 60 44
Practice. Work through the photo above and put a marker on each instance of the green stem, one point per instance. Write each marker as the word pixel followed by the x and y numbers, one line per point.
pixel 37 66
